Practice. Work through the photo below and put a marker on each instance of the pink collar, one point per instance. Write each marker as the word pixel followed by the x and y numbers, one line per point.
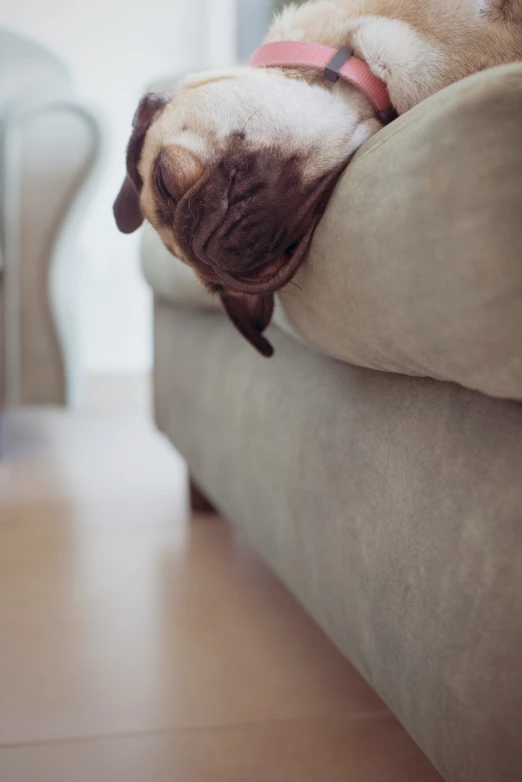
pixel 335 64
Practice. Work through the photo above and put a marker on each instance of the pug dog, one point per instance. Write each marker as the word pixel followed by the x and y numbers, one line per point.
pixel 235 169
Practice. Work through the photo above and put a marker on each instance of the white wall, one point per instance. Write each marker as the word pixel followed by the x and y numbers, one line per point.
pixel 114 49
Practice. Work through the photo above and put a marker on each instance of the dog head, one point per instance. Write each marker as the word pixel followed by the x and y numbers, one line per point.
pixel 234 171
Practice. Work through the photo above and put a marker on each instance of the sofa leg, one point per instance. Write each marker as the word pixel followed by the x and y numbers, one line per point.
pixel 198 502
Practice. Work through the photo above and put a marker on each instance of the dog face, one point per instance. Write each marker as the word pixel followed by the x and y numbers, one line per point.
pixel 234 171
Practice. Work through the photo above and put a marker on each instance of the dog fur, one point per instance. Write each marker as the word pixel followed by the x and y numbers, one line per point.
pixel 235 169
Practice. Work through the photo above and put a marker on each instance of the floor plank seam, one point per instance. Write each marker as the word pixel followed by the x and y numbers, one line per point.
pixel 350 719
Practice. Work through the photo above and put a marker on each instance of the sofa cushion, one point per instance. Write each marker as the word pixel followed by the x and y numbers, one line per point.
pixel 416 267
pixel 169 277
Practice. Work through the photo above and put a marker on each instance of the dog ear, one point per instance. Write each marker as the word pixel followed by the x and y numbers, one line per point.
pixel 127 212
pixel 127 205
pixel 250 314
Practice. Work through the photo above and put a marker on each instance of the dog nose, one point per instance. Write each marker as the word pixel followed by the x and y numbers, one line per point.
pixel 245 240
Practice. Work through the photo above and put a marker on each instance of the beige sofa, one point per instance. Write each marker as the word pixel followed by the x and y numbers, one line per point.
pixel 49 147
pixel 388 495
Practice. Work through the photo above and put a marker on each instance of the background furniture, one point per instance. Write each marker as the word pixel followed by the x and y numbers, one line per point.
pixel 253 21
pixel 390 505
pixel 49 145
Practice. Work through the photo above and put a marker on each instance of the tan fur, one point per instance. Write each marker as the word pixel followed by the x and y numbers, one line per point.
pixel 446 40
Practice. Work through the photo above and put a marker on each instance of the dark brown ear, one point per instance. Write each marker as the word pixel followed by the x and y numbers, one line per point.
pixel 127 205
pixel 126 208
pixel 251 314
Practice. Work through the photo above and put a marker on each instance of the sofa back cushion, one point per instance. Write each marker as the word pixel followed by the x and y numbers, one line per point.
pixel 417 265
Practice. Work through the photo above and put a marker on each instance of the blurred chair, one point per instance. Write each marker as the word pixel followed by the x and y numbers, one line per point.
pixel 49 145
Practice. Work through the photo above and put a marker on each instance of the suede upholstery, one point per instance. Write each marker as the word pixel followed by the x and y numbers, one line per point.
pixel 417 264
pixel 391 506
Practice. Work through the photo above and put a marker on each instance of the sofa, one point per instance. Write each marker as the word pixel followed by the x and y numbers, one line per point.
pixel 50 146
pixel 376 461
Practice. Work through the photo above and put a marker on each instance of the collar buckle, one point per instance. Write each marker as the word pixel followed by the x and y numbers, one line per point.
pixel 338 61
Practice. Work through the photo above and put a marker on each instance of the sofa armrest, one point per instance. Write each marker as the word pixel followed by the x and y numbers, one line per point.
pixel 49 148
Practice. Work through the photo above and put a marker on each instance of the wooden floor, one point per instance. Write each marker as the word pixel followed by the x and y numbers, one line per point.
pixel 138 645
